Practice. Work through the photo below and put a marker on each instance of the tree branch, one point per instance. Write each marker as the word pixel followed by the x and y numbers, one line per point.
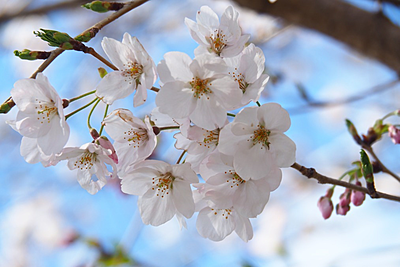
pixel 322 179
pixel 371 34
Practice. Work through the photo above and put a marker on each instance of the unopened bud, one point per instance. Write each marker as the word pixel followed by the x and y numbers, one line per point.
pixel 353 131
pixel 7 106
pixel 342 210
pixel 94 133
pixel 325 206
pixel 103 6
pixel 156 130
pixel 105 143
pixel 87 35
pixel 357 197
pixel 344 199
pixel 31 55
pixel 65 103
pixel 366 166
pixel 60 39
pixel 394 134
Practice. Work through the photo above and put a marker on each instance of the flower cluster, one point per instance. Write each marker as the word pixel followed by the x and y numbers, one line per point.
pixel 239 159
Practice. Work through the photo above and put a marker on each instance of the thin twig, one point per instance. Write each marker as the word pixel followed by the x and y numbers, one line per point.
pixel 102 59
pixel 322 179
pixel 381 165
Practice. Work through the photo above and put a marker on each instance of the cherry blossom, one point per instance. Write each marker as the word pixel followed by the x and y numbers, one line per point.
pixel 394 134
pixel 134 140
pixel 196 89
pixel 223 38
pixel 89 160
pixel 247 69
pixel 136 70
pixel 225 188
pixel 255 138
pixel 163 190
pixel 40 119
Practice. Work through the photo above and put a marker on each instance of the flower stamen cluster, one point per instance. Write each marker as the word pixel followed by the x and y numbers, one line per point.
pixel 163 184
pixel 199 87
pixel 217 41
pixel 261 136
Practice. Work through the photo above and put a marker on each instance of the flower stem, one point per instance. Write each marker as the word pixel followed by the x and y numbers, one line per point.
pixel 105 114
pixel 231 114
pixel 258 104
pixel 91 111
pixel 180 158
pixel 79 109
pixel 102 59
pixel 81 96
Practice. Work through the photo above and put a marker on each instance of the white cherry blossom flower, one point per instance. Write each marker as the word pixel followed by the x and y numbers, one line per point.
pixel 225 188
pixel 136 70
pixel 40 119
pixel 247 69
pixel 255 139
pixel 223 38
pixel 134 140
pixel 196 89
pixel 163 190
pixel 89 160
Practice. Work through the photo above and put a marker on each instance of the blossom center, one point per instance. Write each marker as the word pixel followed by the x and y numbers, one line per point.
pixel 261 136
pixel 132 72
pixel 223 212
pixel 217 41
pixel 135 137
pixel 210 138
pixel 86 161
pixel 45 110
pixel 236 180
pixel 162 184
pixel 240 79
pixel 200 87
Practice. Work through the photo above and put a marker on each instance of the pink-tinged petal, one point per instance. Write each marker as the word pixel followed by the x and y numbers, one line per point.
pixel 185 172
pixel 138 182
pixel 117 52
pixel 149 76
pixel 283 149
pixel 155 210
pixel 176 100
pixel 253 161
pixel 230 25
pixel 208 114
pixel 140 96
pixel 28 126
pixel 241 129
pixel 227 140
pixel 55 139
pixel 251 198
pixel 234 50
pixel 253 91
pixel 84 178
pixel 175 66
pixel 183 198
pixel 274 178
pixel 213 226
pixel 243 228
pixel 248 116
pixel 29 150
pixel 274 117
pixel 136 47
pixel 194 32
pixel 114 86
pixel 227 92
pixel 182 142
pixel 207 18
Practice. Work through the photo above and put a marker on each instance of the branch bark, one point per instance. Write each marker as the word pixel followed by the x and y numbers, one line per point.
pixel 371 34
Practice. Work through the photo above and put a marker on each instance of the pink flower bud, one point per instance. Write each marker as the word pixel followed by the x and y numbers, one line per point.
pixel 345 198
pixel 357 197
pixel 325 206
pixel 105 143
pixel 342 210
pixel 394 134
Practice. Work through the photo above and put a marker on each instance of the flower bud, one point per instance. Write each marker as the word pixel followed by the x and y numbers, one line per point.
pixel 7 105
pixel 353 131
pixel 394 134
pixel 325 206
pixel 357 197
pixel 60 39
pixel 31 55
pixel 342 210
pixel 103 6
pixel 102 72
pixel 366 166
pixel 344 199
pixel 105 143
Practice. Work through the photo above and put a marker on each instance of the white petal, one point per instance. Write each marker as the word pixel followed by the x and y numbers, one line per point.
pixel 175 66
pixel 227 92
pixel 29 150
pixel 117 52
pixel 207 18
pixel 208 113
pixel 283 149
pixel 155 210
pixel 243 228
pixel 251 197
pixel 183 198
pixel 185 172
pixel 114 86
pixel 248 116
pixel 274 117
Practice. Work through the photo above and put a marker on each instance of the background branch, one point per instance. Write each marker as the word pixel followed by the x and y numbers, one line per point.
pixel 371 34
pixel 322 179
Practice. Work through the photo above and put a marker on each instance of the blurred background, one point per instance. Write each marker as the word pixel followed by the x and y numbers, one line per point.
pixel 47 219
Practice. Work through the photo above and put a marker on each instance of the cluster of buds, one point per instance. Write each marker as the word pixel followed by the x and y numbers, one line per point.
pixel 31 55
pixel 103 6
pixel 60 39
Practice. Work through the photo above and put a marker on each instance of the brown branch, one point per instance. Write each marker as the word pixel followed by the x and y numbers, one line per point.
pixel 94 29
pixel 382 167
pixel 369 33
pixel 322 179
pixel 322 104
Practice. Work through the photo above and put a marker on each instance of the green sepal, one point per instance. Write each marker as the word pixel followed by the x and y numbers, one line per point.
pixel 367 168
pixel 102 72
pixel 54 38
pixel 98 6
pixel 353 131
pixel 25 54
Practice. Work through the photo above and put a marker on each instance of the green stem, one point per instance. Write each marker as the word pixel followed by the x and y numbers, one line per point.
pixel 91 111
pixel 79 109
pixel 81 96
pixel 258 104
pixel 105 114
pixel 180 158
pixel 231 114
pixel 393 113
